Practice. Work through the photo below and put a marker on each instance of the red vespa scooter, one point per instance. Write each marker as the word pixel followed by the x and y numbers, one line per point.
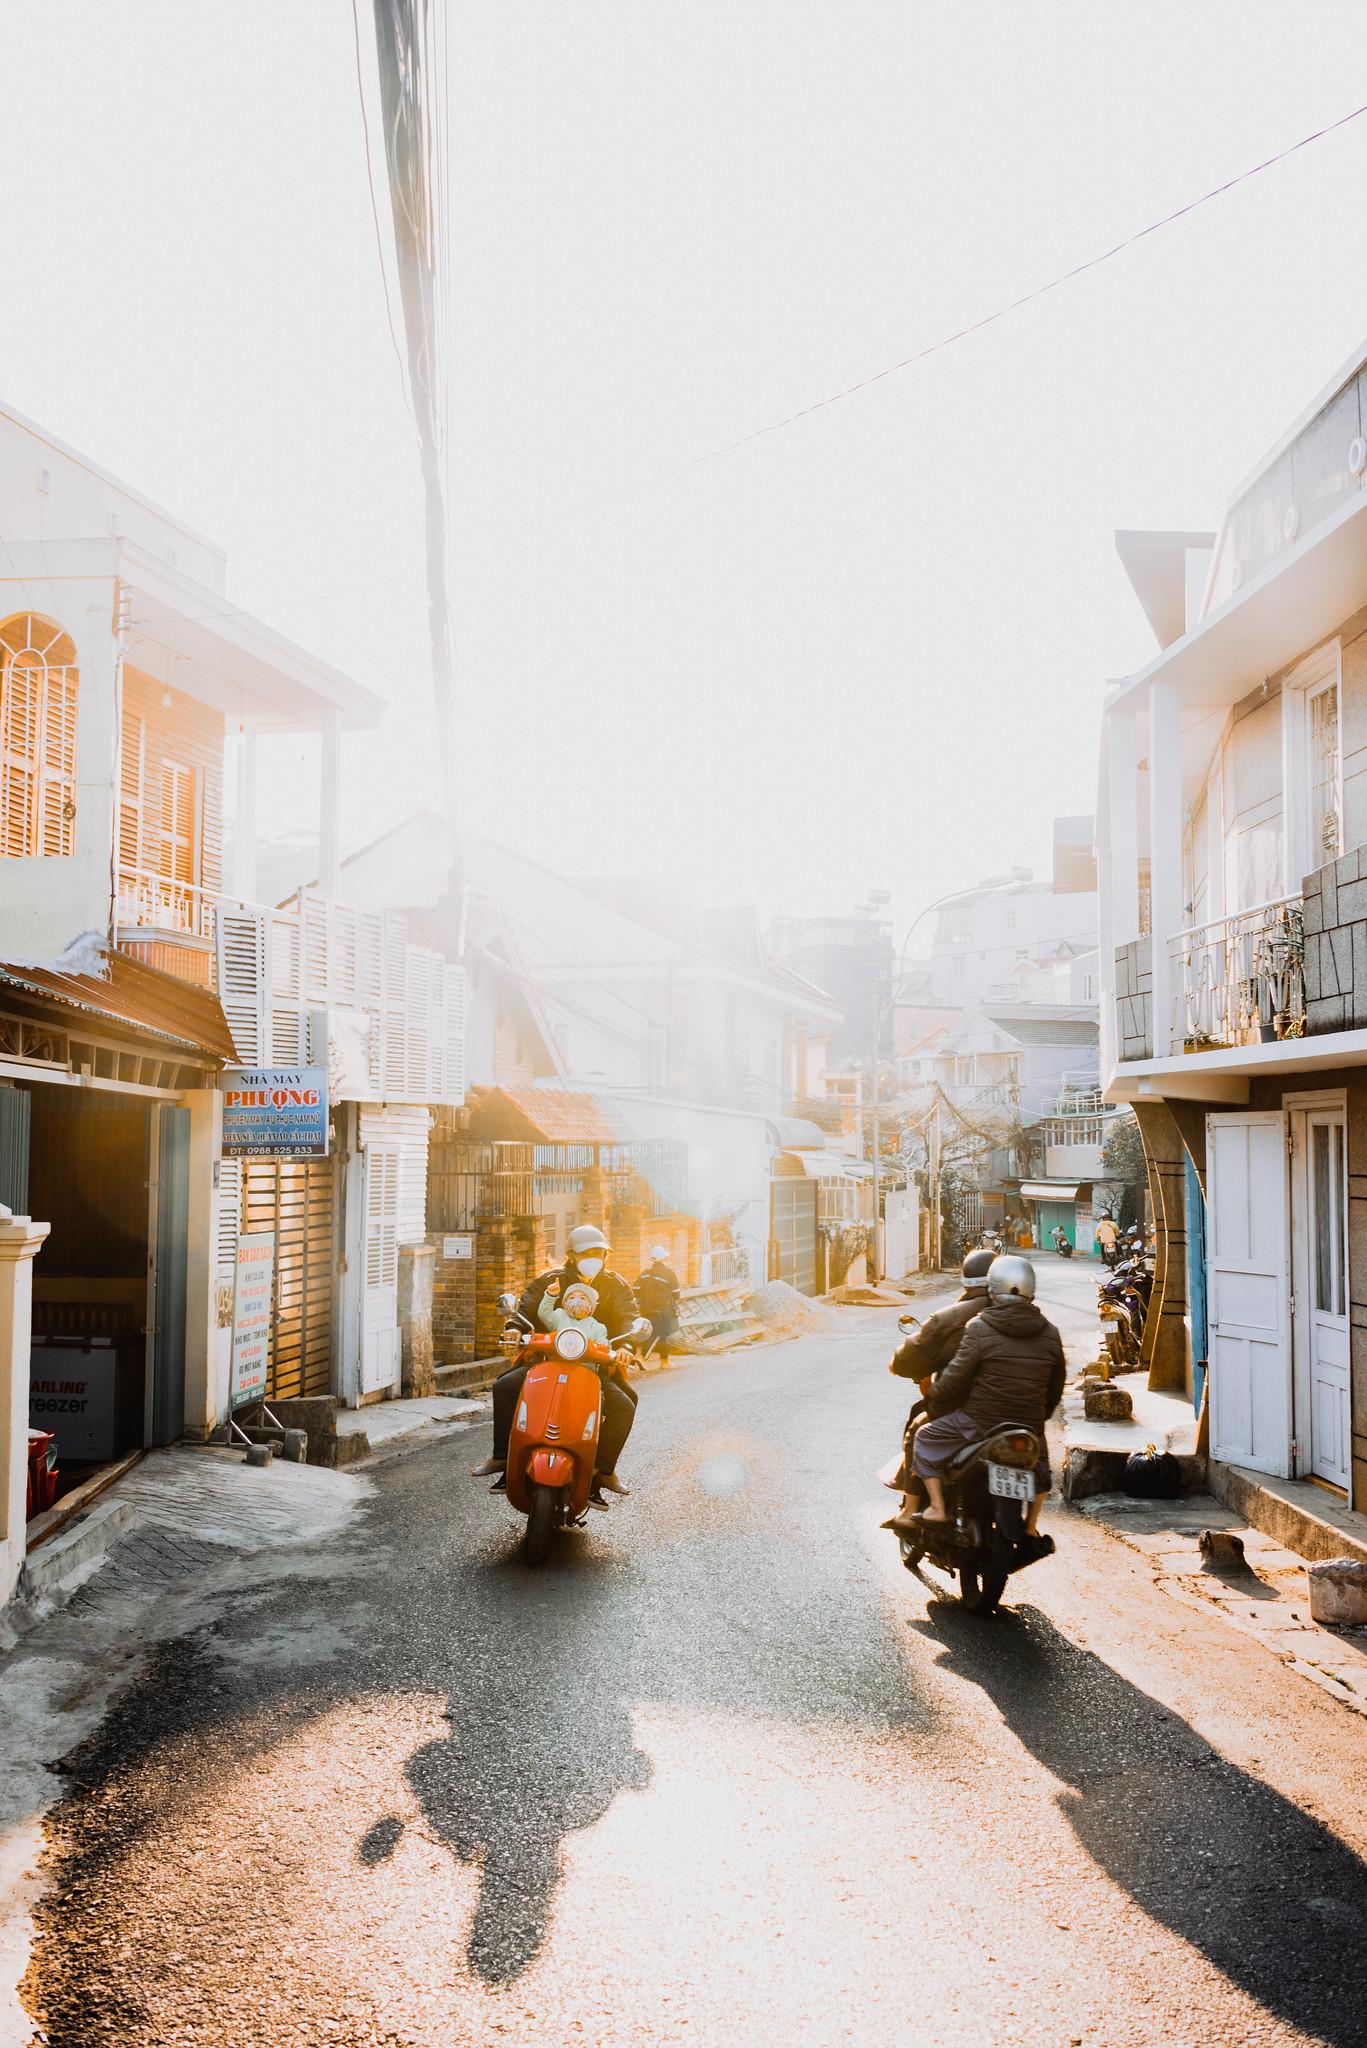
pixel 554 1441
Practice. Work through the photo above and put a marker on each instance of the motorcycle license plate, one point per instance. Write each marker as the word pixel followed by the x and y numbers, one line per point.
pixel 1009 1483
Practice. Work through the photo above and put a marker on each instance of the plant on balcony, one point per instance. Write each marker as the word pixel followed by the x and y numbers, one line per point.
pixel 1279 968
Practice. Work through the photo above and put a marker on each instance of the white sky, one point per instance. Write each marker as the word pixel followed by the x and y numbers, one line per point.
pixel 866 651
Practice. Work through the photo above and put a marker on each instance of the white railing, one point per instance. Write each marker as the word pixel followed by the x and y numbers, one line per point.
pixel 1241 978
pixel 147 901
pixel 392 1013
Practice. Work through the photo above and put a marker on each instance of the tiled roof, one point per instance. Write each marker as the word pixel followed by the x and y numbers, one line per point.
pixel 547 1116
pixel 127 992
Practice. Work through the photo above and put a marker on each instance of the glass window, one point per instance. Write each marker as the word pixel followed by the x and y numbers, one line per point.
pixel 1326 1166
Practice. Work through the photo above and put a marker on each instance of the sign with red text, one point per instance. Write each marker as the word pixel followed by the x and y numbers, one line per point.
pixel 275 1113
pixel 253 1283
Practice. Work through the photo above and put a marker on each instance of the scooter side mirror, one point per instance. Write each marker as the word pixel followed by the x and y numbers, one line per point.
pixel 641 1331
pixel 508 1304
pixel 908 1323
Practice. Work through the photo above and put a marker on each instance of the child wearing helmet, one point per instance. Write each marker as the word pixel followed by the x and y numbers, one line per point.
pixel 572 1310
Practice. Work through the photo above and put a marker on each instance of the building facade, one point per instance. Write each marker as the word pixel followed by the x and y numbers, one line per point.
pixel 1234 947
pixel 134 971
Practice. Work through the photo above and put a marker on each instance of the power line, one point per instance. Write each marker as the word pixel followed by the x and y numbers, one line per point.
pixel 1027 298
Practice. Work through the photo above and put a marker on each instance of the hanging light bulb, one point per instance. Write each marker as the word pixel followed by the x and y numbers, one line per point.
pixel 166 699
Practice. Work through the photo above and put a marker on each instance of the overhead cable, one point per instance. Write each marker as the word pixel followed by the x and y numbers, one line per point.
pixel 1028 298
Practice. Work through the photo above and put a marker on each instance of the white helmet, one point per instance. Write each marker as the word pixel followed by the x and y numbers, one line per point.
pixel 659 1251
pixel 586 1237
pixel 1010 1276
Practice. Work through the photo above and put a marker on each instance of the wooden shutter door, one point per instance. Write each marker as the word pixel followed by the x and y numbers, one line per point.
pixel 293 1199
pixel 57 806
pixel 19 720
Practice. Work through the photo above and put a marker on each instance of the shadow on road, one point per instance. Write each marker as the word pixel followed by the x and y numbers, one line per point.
pixel 1268 1894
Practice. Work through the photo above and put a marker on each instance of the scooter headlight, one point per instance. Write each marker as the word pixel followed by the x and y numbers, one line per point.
pixel 570 1344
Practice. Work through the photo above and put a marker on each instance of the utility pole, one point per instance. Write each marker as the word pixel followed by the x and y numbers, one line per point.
pixel 875 1263
pixel 934 1178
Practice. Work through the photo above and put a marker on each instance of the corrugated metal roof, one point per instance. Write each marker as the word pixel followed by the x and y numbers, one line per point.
pixel 796 1134
pixel 127 992
pixel 547 1116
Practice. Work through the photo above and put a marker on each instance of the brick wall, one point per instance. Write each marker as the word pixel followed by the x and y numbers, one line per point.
pixel 1134 1000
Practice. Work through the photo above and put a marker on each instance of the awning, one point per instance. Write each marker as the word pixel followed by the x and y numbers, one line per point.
pixel 547 1116
pixel 830 1166
pixel 1049 1191
pixel 139 997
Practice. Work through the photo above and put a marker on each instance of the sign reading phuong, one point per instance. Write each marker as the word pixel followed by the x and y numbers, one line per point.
pixel 275 1112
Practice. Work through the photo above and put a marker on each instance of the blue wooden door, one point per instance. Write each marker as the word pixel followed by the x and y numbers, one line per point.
pixel 1196 1283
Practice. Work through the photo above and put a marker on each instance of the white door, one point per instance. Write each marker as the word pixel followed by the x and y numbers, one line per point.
pixel 1322 1293
pixel 1247 1263
pixel 380 1352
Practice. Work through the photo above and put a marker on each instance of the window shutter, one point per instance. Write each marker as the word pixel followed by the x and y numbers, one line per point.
pixel 181 862
pixel 241 980
pixel 132 757
pixel 19 720
pixel 58 764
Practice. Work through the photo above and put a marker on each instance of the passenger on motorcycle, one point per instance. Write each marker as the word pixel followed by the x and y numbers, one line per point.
pixel 923 1354
pixel 1008 1368
pixel 587 1250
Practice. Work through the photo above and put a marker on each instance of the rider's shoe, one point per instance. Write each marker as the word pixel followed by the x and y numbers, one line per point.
pixel 488 1468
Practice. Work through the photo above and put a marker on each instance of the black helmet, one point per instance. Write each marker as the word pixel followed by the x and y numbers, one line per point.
pixel 975 1271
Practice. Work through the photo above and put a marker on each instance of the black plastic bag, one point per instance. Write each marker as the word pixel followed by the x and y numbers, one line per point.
pixel 1152 1474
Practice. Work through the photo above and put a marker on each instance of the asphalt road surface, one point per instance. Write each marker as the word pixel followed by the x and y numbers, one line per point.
pixel 723 1773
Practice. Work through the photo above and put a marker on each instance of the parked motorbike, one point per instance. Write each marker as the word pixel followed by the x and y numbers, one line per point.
pixel 554 1442
pixel 1123 1301
pixel 988 1488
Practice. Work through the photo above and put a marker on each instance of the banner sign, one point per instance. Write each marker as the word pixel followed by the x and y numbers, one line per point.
pixel 275 1113
pixel 252 1286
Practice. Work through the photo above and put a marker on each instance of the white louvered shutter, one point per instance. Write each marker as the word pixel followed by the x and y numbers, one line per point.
pixel 241 962
pixel 57 764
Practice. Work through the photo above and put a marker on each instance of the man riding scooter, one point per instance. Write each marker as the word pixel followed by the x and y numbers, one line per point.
pixel 1009 1368
pixel 586 1262
pixel 920 1356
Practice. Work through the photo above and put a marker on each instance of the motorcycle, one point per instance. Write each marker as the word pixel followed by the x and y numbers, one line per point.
pixel 1062 1242
pixel 1123 1301
pixel 553 1446
pixel 988 1488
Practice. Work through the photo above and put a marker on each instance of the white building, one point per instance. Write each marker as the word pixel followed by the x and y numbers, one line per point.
pixel 1234 944
pixel 1012 937
pixel 132 970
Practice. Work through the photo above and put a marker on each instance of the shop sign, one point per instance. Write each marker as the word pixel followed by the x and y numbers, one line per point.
pixel 275 1113
pixel 458 1247
pixel 252 1287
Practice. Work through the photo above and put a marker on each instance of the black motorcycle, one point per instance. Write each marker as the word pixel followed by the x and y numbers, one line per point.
pixel 988 1488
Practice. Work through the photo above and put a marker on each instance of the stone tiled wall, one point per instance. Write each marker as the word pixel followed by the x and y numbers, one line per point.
pixel 1134 1000
pixel 1336 945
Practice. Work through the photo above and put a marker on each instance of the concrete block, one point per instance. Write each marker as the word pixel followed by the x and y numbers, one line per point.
pixel 1314 977
pixel 1341 940
pixel 1314 915
pixel 1350 903
pixel 1329 896
pixel 1350 866
pixel 1222 1550
pixel 1312 885
pixel 1327 1015
pixel 1104 1402
pixel 1338 1592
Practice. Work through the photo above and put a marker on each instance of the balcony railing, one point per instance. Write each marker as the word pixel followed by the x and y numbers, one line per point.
pixel 1240 979
pixel 147 901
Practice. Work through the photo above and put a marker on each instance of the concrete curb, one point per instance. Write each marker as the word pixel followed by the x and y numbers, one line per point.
pixel 1298 1516
pixel 61 1566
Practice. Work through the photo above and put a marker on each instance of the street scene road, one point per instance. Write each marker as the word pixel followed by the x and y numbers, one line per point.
pixel 722 1772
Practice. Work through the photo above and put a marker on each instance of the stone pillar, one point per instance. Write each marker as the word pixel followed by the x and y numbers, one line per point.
pixel 202 1342
pixel 1165 1332
pixel 20 1239
pixel 417 1266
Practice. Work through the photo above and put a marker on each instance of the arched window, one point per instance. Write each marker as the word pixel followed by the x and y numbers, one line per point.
pixel 38 680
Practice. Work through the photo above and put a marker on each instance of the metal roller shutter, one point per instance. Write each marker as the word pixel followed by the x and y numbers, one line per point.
pixel 293 1198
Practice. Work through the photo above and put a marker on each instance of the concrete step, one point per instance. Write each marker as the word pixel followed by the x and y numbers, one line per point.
pixel 1294 1512
pixel 469 1378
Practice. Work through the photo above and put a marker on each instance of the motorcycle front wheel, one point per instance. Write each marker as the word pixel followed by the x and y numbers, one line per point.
pixel 540 1525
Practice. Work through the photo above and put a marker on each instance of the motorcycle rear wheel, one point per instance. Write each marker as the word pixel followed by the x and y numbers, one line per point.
pixel 982 1584
pixel 540 1525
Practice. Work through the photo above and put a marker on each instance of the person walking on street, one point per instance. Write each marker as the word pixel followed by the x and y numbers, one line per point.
pixel 657 1293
